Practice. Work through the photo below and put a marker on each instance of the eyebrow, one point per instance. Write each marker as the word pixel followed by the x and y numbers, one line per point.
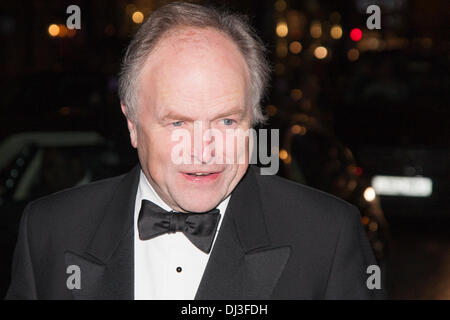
pixel 176 116
pixel 233 111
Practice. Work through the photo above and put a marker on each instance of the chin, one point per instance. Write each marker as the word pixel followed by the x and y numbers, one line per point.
pixel 200 204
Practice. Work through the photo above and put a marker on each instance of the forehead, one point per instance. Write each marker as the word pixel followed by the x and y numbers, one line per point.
pixel 199 68
pixel 190 42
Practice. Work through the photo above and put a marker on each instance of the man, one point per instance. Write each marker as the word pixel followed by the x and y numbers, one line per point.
pixel 195 229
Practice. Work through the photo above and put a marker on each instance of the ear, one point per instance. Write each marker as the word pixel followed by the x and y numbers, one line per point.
pixel 131 127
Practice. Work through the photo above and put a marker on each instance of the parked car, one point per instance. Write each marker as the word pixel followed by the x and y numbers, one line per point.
pixel 395 114
pixel 413 183
pixel 313 156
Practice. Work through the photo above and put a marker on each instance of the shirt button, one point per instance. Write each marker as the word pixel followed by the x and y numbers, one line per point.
pixel 179 269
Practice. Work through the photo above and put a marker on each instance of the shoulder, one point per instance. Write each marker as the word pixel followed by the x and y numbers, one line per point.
pixel 297 207
pixel 72 206
pixel 293 194
pixel 78 195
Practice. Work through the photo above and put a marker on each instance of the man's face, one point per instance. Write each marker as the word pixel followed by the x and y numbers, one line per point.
pixel 195 77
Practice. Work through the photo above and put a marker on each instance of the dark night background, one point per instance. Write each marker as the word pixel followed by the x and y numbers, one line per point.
pixel 347 109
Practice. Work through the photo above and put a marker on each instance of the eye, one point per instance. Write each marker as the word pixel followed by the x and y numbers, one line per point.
pixel 177 123
pixel 228 122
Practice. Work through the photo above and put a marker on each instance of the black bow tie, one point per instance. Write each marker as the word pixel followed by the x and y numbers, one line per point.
pixel 199 228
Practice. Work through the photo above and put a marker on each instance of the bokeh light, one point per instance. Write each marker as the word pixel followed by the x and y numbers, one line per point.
pixel 138 17
pixel 316 29
pixel 297 129
pixel 296 94
pixel 271 110
pixel 282 29
pixel 336 32
pixel 280 5
pixel 353 54
pixel 320 52
pixel 53 30
pixel 295 47
pixel 356 34
pixel 369 194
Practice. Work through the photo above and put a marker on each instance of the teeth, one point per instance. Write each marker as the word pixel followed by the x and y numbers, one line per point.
pixel 199 174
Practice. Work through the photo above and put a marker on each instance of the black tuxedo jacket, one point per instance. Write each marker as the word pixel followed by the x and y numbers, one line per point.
pixel 278 240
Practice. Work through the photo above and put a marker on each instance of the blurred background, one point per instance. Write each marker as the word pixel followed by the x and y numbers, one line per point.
pixel 363 114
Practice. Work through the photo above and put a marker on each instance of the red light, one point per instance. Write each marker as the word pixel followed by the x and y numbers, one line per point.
pixel 358 171
pixel 356 34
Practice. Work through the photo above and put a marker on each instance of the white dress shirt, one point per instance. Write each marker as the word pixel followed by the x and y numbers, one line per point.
pixel 168 267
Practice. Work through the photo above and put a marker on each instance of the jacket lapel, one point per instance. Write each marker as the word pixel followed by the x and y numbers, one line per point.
pixel 243 264
pixel 107 265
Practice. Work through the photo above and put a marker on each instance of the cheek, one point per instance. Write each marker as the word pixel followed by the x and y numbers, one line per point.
pixel 236 148
pixel 235 174
pixel 154 148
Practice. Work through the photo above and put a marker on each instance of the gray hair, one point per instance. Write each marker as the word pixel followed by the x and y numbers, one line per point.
pixel 179 14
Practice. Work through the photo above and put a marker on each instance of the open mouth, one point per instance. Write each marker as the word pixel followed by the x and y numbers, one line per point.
pixel 201 176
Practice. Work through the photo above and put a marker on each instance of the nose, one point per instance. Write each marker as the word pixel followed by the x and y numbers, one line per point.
pixel 203 145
